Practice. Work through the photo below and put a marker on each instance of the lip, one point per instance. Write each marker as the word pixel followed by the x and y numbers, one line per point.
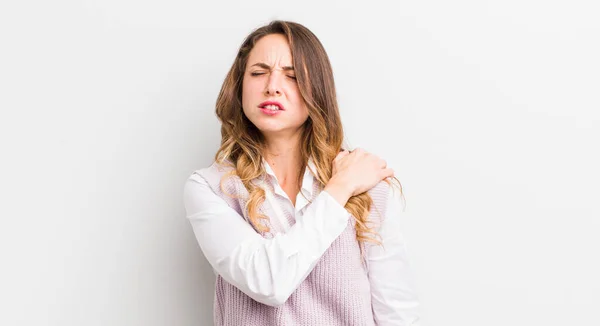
pixel 269 112
pixel 265 103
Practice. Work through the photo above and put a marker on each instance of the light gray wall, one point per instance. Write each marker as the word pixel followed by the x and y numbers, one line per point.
pixel 488 111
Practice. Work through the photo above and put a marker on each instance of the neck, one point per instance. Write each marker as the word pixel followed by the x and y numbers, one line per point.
pixel 283 156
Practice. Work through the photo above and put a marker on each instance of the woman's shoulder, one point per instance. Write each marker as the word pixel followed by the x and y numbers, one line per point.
pixel 382 194
pixel 216 167
pixel 213 171
pixel 381 189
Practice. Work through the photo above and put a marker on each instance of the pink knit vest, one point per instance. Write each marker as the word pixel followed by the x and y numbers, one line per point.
pixel 336 292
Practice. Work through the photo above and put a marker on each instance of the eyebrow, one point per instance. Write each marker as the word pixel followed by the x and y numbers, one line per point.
pixel 266 66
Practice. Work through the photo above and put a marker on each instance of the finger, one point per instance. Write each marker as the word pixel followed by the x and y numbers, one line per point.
pixel 342 153
pixel 387 173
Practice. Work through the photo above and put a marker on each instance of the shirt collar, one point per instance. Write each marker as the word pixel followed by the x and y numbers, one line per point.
pixel 307 179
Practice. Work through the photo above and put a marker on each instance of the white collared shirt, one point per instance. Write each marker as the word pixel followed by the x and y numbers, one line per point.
pixel 239 254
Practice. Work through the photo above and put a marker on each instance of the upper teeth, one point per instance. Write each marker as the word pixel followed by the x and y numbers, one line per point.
pixel 271 107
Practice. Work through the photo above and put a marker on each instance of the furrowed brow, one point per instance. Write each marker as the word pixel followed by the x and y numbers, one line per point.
pixel 266 66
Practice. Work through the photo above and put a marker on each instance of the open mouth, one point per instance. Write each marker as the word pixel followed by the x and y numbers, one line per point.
pixel 271 106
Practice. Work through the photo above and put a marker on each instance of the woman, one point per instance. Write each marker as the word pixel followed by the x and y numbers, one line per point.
pixel 298 231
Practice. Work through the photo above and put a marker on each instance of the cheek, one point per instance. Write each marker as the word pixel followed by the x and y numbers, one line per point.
pixel 248 93
pixel 293 94
pixel 296 98
pixel 301 113
pixel 304 112
pixel 246 100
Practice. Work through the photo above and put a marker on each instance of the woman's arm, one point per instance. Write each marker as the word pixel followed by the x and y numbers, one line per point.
pixel 393 293
pixel 267 270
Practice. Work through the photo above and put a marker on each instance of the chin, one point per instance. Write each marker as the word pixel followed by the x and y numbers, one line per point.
pixel 268 130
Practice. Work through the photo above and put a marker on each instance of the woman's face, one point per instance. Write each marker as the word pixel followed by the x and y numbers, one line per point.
pixel 270 83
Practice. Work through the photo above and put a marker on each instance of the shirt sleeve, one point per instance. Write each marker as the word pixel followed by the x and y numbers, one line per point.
pixel 393 294
pixel 267 270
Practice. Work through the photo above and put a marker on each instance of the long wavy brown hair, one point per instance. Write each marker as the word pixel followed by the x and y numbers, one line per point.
pixel 242 144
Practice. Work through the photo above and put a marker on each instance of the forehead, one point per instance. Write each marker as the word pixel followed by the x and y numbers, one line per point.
pixel 273 50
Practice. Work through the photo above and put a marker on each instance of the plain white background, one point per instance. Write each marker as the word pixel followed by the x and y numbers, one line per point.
pixel 489 111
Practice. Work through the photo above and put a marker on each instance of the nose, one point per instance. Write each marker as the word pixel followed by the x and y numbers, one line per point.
pixel 273 86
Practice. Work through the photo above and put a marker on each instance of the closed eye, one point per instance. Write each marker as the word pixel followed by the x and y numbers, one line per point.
pixel 262 73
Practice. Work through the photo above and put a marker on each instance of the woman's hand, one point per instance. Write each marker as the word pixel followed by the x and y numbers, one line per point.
pixel 356 172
